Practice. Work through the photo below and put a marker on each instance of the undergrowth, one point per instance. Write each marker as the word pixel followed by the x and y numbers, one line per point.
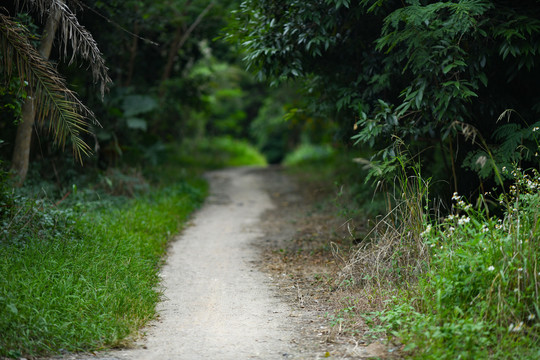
pixel 464 286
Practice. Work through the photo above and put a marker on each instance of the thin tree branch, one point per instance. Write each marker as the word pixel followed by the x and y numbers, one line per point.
pixel 194 25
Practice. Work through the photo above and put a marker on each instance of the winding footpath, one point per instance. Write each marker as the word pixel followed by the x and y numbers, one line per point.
pixel 216 304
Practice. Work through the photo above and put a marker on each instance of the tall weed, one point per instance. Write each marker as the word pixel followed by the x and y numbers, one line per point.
pixel 477 295
pixel 393 251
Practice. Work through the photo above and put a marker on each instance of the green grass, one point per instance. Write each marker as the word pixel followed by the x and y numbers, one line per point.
pixel 309 154
pixel 84 276
pixel 89 284
pixel 476 296
pixel 219 152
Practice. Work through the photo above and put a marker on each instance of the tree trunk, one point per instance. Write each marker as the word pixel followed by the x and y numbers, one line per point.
pixel 23 139
pixel 180 37
pixel 21 152
pixel 173 51
pixel 133 54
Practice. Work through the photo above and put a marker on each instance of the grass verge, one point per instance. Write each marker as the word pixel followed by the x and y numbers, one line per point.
pixel 88 279
pixel 465 286
pixel 81 273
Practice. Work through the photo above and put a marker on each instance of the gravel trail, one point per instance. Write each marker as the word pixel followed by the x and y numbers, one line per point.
pixel 216 304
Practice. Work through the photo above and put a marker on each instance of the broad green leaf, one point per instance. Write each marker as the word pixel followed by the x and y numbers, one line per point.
pixel 138 104
pixel 136 123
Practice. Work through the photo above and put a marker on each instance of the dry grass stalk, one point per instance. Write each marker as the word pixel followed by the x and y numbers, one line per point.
pixel 393 254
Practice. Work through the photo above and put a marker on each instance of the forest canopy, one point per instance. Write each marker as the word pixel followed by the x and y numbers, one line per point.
pixel 457 81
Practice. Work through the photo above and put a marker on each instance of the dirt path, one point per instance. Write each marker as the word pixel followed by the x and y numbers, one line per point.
pixel 216 304
pixel 228 292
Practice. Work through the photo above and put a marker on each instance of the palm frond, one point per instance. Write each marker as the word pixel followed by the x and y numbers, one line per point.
pixel 69 117
pixel 75 36
pixel 83 44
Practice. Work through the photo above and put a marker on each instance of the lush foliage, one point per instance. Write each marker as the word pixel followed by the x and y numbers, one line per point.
pixel 171 80
pixel 420 71
pixel 475 294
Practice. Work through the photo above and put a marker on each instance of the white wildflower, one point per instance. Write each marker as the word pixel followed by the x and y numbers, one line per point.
pixel 531 317
pixel 491 268
pixel 426 231
pixel 464 220
pixel 518 327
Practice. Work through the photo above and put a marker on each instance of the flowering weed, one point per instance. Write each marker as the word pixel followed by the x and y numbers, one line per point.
pixel 465 286
pixel 479 295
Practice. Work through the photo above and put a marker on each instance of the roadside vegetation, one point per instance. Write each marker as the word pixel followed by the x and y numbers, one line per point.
pixel 428 282
pixel 472 290
pixel 81 273
pixel 421 117
pixel 460 283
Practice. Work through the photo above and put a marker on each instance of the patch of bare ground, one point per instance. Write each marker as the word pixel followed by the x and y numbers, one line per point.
pixel 305 247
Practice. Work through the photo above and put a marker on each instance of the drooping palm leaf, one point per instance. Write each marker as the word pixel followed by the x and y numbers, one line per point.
pixel 73 35
pixel 69 118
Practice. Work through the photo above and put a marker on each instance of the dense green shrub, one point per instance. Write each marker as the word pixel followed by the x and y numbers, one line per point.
pixel 429 73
